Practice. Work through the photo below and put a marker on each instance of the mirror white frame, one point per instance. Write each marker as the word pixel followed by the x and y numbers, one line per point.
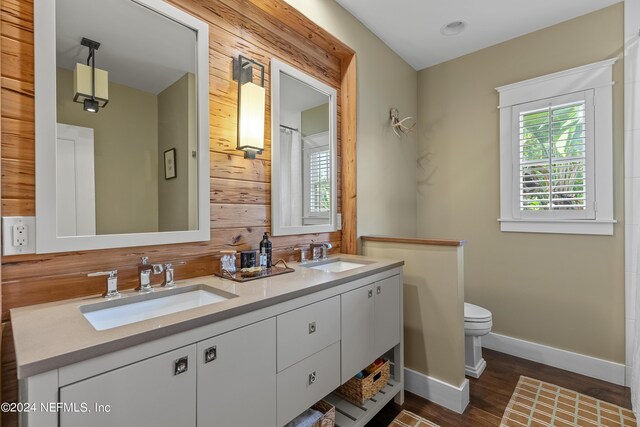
pixel 277 68
pixel 47 240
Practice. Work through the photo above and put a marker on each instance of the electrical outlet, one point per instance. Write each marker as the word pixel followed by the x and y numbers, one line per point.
pixel 18 235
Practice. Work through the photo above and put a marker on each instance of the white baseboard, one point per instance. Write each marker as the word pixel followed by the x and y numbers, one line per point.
pixel 439 392
pixel 579 363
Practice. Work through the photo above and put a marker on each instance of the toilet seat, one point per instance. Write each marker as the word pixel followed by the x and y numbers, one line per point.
pixel 476 314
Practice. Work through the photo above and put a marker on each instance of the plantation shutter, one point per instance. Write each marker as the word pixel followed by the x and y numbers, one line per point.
pixel 554 161
pixel 319 181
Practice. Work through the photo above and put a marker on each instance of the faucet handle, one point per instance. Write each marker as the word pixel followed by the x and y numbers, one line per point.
pixel 157 268
pixel 169 274
pixel 303 255
pixel 112 283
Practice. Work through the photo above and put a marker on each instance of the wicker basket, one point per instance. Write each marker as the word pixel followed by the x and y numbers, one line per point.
pixel 359 390
pixel 329 417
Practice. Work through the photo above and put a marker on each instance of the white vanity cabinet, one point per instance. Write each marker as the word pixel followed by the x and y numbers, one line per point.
pixel 370 324
pixel 260 367
pixel 160 391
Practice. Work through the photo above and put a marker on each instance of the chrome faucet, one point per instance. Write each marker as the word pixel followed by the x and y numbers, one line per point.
pixel 319 250
pixel 144 274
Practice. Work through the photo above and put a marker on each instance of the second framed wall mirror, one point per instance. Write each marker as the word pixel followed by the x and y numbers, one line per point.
pixel 303 153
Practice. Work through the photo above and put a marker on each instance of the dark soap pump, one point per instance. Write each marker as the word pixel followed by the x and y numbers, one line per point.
pixel 266 245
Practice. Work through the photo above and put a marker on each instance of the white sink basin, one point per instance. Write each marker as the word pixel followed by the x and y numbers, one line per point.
pixel 336 266
pixel 114 313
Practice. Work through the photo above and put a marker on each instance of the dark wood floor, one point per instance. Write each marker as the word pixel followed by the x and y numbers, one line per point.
pixel 490 394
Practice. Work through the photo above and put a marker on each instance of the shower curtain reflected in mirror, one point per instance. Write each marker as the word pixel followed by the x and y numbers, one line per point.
pixel 291 177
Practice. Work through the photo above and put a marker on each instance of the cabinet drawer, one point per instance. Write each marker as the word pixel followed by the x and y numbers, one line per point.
pixel 306 382
pixel 307 330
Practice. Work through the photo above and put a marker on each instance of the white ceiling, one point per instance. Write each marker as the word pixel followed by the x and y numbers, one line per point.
pixel 412 27
pixel 139 48
pixel 296 96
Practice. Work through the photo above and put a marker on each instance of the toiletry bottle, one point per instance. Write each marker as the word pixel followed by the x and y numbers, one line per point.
pixel 266 245
pixel 263 258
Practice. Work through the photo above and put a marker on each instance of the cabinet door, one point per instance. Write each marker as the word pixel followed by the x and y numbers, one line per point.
pixel 160 391
pixel 357 330
pixel 237 377
pixel 386 310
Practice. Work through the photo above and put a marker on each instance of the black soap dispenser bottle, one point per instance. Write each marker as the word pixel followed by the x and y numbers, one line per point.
pixel 266 245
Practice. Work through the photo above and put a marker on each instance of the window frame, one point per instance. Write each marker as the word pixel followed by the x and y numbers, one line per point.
pixel 594 81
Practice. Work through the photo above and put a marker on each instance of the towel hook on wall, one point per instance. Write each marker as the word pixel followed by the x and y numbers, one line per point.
pixel 397 124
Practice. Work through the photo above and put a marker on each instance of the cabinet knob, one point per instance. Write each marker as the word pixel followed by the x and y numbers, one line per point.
pixel 378 290
pixel 210 354
pixel 370 293
pixel 312 327
pixel 312 377
pixel 180 366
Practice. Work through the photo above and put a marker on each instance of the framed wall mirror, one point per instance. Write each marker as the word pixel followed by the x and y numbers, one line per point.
pixel 303 153
pixel 122 125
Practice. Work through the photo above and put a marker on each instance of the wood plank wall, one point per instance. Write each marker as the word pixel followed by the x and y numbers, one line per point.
pixel 240 188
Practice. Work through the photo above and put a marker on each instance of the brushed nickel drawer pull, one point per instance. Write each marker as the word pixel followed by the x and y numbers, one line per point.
pixel 370 293
pixel 180 366
pixel 312 377
pixel 210 354
pixel 312 327
pixel 378 290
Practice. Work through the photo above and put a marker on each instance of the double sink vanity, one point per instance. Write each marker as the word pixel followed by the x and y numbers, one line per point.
pixel 212 351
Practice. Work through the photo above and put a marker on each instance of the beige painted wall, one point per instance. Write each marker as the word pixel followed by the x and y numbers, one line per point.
pixel 125 147
pixel 385 164
pixel 315 120
pixel 565 291
pixel 433 306
pixel 176 129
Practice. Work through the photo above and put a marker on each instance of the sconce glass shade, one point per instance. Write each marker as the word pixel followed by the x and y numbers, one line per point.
pixel 251 100
pixel 82 85
pixel 251 119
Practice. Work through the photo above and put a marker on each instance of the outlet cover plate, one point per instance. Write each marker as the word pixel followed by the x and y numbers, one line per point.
pixel 8 222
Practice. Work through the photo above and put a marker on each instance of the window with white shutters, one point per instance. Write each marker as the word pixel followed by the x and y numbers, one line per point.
pixel 316 174
pixel 319 182
pixel 554 157
pixel 556 152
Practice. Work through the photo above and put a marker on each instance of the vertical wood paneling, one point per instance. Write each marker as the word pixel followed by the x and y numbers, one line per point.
pixel 240 188
pixel 348 158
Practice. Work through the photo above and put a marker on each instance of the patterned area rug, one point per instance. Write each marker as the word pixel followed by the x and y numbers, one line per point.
pixel 535 403
pixel 409 419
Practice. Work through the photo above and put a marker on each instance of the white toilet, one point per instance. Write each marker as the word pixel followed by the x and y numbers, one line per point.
pixel 477 323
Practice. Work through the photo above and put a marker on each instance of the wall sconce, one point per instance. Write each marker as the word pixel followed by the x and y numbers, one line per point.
pixel 251 105
pixel 90 83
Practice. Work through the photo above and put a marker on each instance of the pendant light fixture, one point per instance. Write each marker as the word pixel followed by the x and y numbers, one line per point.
pixel 91 84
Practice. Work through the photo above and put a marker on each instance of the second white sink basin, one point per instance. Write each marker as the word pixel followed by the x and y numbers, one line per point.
pixel 111 314
pixel 336 266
